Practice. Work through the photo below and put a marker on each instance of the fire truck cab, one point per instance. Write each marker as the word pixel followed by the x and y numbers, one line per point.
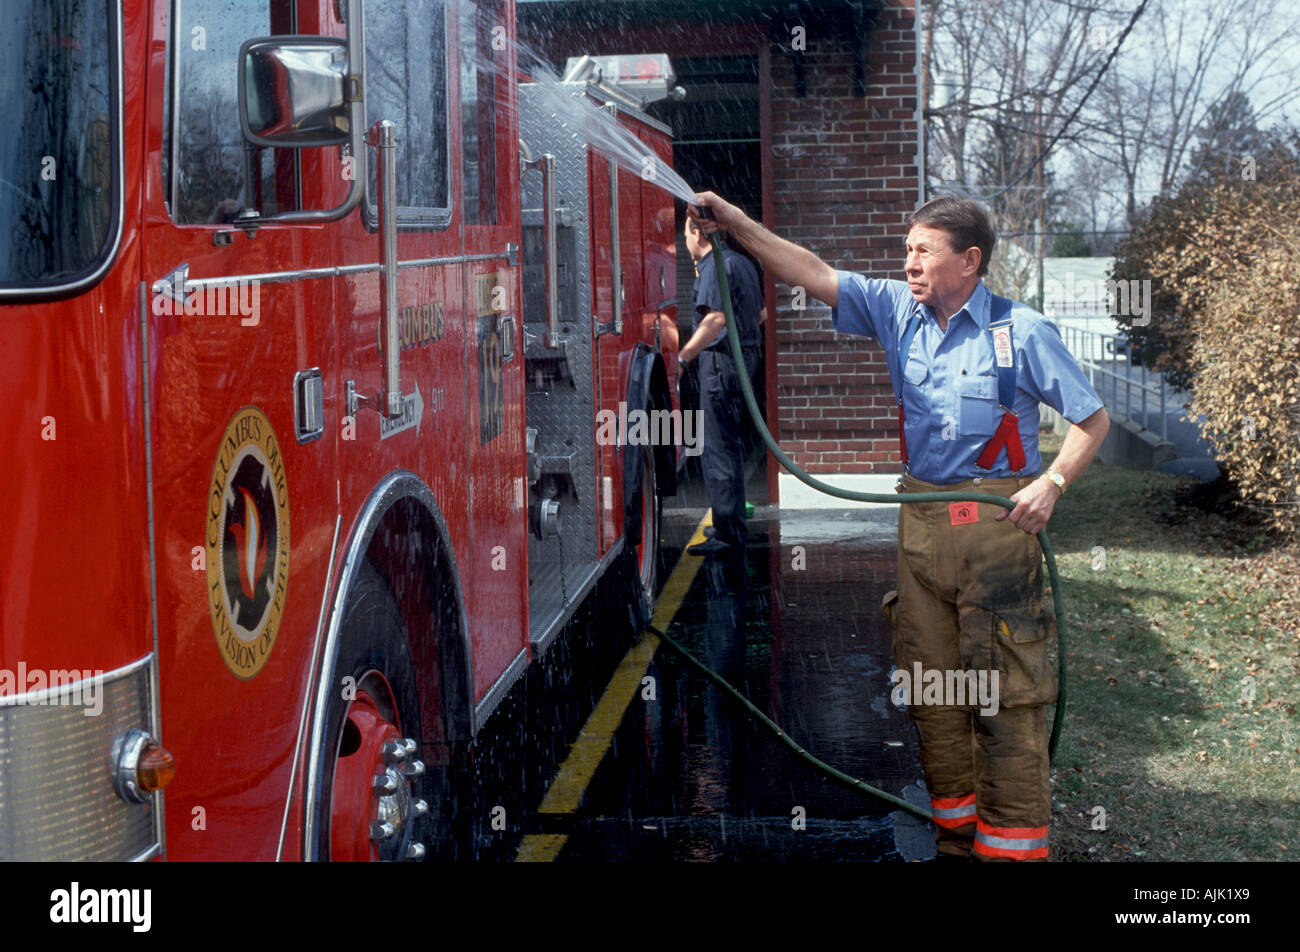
pixel 312 309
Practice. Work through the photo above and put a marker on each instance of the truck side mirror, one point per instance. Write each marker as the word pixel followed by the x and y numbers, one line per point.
pixel 293 91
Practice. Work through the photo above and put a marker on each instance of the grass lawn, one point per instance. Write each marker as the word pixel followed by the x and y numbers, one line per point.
pixel 1183 646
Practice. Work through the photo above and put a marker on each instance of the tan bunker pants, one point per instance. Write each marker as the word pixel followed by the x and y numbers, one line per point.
pixel 968 612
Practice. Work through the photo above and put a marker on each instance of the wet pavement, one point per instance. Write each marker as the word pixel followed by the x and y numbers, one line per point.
pixel 795 623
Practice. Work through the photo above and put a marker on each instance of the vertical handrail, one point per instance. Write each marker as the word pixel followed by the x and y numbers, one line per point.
pixel 1164 417
pixel 383 135
pixel 615 252
pixel 550 225
pixel 1114 375
pixel 1144 394
pixel 1128 383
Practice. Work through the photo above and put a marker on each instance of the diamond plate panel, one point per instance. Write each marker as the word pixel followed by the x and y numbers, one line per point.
pixel 564 415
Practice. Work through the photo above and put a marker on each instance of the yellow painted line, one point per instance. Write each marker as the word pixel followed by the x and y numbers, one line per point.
pixel 585 756
pixel 540 848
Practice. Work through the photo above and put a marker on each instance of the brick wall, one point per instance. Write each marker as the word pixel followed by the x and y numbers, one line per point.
pixel 845 174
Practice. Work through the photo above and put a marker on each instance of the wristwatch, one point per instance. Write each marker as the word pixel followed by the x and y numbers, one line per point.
pixel 1057 480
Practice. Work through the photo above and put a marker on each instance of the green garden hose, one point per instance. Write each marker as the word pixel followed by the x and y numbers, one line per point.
pixel 890 498
pixel 860 785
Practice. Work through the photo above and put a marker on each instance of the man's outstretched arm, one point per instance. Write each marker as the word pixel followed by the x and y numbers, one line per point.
pixel 786 261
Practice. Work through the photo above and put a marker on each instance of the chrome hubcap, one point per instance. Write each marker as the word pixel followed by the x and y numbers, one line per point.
pixel 396 806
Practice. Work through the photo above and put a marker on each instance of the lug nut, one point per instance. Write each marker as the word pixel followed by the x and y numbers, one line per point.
pixel 419 808
pixel 381 829
pixel 413 769
pixel 385 782
pixel 411 745
pixel 415 851
pixel 393 751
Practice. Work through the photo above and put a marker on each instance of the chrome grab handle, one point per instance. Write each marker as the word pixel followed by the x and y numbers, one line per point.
pixel 383 137
pixel 615 261
pixel 546 165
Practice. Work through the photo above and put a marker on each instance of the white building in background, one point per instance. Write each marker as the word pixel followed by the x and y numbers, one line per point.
pixel 1075 289
pixel 1077 294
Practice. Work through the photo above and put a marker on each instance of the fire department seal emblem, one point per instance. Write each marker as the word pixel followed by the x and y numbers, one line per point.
pixel 247 543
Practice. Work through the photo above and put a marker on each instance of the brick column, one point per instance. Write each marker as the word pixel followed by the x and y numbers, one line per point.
pixel 844 176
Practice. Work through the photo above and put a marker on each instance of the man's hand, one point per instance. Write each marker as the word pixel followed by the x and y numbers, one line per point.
pixel 725 215
pixel 1034 505
pixel 1035 502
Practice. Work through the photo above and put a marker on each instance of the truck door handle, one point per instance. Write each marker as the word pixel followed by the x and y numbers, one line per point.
pixel 506 326
pixel 308 405
pixel 175 284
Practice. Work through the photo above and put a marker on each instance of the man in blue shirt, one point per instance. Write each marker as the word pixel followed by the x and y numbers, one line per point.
pixel 969 371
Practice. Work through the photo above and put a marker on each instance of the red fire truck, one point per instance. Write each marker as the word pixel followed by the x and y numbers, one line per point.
pixel 310 308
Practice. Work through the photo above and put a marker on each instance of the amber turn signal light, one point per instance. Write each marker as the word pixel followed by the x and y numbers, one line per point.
pixel 156 769
pixel 139 766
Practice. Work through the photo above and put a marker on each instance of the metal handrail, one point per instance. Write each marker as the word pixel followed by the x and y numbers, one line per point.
pixel 1089 349
pixel 550 226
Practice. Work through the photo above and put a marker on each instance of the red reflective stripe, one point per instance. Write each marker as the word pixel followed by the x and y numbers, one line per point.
pixel 949 803
pixel 902 436
pixel 1007 434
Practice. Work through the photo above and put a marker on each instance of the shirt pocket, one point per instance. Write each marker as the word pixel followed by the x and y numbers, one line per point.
pixel 977 405
pixel 915 371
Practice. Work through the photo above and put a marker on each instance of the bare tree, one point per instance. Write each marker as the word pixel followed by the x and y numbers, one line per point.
pixel 1201 65
pixel 1015 76
pixel 1014 91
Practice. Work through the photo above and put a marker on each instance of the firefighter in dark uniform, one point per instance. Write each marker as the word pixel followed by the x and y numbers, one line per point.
pixel 721 401
pixel 969 370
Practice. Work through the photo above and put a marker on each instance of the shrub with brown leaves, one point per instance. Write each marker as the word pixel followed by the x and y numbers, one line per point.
pixel 1223 258
pixel 1249 387
pixel 1193 242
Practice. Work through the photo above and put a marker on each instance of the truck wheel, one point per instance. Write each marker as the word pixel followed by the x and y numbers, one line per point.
pixel 371 805
pixel 647 550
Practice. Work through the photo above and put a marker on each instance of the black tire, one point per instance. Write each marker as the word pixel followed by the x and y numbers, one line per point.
pixel 645 562
pixel 372 641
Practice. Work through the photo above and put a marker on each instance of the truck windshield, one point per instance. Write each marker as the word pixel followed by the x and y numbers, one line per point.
pixel 57 164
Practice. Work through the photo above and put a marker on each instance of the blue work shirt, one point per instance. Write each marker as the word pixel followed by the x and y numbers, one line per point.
pixel 746 298
pixel 949 380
